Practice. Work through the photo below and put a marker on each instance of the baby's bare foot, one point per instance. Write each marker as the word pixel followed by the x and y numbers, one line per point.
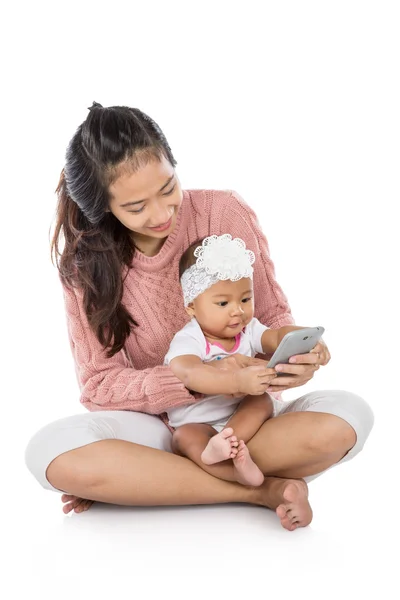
pixel 220 447
pixel 245 469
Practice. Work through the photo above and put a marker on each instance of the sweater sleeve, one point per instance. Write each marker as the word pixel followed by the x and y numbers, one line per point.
pixel 111 383
pixel 271 305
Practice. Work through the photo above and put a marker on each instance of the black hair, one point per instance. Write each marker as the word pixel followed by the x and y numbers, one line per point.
pixel 110 142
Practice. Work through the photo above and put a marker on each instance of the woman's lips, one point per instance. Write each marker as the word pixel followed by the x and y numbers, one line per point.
pixel 162 227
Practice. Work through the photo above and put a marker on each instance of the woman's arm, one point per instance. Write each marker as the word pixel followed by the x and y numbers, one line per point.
pixel 203 378
pixel 112 383
pixel 239 219
pixel 271 305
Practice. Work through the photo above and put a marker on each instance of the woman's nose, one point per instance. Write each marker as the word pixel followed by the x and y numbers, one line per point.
pixel 161 215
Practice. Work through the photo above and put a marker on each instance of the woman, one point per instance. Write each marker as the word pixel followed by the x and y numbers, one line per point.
pixel 126 222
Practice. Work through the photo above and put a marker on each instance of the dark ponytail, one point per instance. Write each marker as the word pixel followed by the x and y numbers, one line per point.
pixel 97 245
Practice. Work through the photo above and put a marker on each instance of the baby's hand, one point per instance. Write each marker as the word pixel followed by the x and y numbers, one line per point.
pixel 254 380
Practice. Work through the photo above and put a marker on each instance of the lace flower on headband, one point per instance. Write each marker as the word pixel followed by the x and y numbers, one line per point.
pixel 218 258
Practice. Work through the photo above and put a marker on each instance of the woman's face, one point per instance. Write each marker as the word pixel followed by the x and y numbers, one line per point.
pixel 148 198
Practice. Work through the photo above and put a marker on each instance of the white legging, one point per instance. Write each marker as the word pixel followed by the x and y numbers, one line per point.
pixel 79 430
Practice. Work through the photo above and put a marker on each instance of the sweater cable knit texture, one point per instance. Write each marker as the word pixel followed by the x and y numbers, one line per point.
pixel 135 378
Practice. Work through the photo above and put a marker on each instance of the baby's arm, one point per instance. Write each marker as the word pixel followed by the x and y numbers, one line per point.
pixel 200 377
pixel 271 338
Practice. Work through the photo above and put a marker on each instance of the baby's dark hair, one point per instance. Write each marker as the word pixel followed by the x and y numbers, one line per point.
pixel 188 259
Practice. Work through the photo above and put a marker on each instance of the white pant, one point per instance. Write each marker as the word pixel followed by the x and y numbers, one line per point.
pixel 79 430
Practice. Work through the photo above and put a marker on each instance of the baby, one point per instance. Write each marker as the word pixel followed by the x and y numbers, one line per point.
pixel 216 277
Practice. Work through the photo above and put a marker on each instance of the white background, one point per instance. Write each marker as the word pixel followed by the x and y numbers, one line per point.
pixel 295 105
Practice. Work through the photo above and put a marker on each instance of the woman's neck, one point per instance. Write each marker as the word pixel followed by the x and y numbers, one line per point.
pixel 149 246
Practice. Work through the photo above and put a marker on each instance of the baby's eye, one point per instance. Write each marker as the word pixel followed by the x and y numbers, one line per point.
pixel 246 299
pixel 224 303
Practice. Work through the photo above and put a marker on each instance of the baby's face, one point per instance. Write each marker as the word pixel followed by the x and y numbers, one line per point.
pixel 225 308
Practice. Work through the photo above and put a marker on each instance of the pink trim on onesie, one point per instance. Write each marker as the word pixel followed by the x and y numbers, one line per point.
pixel 236 346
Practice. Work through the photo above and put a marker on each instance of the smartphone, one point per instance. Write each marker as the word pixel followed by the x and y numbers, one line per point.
pixel 299 341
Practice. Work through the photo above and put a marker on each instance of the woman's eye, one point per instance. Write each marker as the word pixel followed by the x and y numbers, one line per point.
pixel 135 212
pixel 170 191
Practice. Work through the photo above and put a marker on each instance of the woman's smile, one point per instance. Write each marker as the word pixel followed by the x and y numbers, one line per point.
pixel 162 227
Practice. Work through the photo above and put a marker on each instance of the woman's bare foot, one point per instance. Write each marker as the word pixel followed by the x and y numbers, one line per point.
pixel 245 469
pixel 295 510
pixel 289 499
pixel 75 503
pixel 220 447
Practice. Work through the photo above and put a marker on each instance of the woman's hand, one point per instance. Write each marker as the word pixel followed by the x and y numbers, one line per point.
pixel 301 368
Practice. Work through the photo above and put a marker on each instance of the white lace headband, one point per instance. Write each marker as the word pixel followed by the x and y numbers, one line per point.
pixel 219 258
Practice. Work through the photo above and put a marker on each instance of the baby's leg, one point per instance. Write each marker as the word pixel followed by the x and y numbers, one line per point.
pixel 191 440
pixel 197 441
pixel 251 413
pixel 191 435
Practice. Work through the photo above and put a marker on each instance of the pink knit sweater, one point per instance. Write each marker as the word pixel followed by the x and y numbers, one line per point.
pixel 135 378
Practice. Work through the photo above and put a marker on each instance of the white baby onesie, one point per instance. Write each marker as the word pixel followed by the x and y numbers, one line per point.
pixel 191 340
